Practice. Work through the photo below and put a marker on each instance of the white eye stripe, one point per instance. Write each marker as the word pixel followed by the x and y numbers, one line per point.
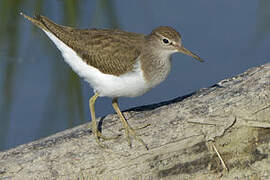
pixel 167 42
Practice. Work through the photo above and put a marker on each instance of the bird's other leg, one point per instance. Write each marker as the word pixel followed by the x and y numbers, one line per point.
pixel 95 130
pixel 128 130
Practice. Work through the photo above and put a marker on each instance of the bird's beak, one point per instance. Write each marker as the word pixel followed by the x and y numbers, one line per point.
pixel 183 50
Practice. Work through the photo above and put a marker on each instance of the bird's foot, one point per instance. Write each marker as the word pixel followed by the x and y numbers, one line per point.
pixel 99 135
pixel 131 132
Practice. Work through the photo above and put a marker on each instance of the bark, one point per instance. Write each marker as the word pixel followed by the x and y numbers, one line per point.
pixel 234 114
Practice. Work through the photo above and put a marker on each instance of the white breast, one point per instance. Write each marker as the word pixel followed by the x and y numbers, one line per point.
pixel 127 85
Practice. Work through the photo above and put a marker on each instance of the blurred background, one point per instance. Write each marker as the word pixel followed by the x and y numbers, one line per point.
pixel 41 95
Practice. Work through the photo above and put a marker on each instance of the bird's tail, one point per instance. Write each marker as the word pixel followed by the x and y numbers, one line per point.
pixel 47 25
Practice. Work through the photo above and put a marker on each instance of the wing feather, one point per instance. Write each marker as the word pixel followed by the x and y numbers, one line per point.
pixel 111 51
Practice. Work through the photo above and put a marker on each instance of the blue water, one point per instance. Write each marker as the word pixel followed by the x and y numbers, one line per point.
pixel 43 96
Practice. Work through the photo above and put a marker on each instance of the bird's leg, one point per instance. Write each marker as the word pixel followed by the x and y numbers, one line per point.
pixel 128 130
pixel 95 130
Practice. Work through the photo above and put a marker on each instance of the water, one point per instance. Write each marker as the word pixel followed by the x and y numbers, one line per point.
pixel 40 95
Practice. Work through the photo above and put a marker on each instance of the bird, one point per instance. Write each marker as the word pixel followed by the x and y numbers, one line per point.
pixel 115 63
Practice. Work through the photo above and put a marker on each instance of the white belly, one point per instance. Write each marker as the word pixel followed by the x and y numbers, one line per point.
pixel 127 85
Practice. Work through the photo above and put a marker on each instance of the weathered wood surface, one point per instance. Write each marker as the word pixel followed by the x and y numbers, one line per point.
pixel 235 113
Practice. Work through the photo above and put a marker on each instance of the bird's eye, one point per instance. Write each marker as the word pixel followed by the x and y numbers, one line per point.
pixel 165 41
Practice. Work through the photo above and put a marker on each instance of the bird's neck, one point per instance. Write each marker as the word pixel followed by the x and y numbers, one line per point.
pixel 156 66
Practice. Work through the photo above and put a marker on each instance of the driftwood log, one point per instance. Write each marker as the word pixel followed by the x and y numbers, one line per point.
pixel 233 115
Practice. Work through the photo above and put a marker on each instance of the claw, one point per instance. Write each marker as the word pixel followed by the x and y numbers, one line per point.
pixel 99 135
pixel 128 130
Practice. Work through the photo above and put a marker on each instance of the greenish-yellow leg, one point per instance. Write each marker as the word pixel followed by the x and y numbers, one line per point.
pixel 95 130
pixel 128 130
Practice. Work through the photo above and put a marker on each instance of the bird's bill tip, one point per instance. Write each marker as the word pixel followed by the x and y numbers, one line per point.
pixel 183 50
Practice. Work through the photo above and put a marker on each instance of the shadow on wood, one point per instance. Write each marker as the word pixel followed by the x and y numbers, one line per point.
pixel 234 114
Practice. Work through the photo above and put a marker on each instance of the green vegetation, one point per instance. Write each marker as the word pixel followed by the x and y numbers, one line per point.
pixel 68 102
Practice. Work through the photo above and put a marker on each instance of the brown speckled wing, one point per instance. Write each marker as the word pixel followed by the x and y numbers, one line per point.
pixel 111 51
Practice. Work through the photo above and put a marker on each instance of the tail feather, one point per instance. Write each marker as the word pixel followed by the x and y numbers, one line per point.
pixel 47 25
pixel 37 20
